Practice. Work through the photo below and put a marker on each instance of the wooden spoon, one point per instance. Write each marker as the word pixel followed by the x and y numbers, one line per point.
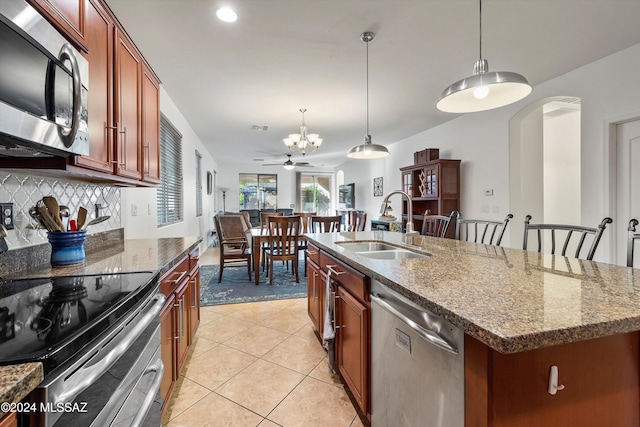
pixel 54 210
pixel 82 217
pixel 48 220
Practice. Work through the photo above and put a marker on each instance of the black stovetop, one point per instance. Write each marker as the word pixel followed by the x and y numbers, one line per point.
pixel 52 319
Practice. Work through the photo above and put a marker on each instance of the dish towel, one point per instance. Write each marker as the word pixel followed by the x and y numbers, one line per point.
pixel 328 333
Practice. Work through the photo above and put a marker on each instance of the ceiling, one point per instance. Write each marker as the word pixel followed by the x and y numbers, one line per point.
pixel 283 55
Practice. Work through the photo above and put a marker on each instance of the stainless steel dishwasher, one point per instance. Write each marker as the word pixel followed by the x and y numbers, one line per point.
pixel 417 364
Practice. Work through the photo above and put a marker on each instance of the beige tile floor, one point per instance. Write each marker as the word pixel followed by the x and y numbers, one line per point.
pixel 257 364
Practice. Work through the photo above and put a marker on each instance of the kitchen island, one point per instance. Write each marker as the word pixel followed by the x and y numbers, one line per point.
pixel 521 313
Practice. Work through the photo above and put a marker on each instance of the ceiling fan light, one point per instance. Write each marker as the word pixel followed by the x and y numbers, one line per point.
pixel 289 167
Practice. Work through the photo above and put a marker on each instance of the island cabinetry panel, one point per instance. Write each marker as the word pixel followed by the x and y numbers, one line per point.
pixel 433 186
pixel 180 318
pixel 600 377
pixel 350 290
pixel 316 295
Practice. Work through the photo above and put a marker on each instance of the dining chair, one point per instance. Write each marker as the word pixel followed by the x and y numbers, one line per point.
pixel 359 221
pixel 284 232
pixel 325 224
pixel 481 230
pixel 264 230
pixel 436 225
pixel 235 246
pixel 633 236
pixel 569 231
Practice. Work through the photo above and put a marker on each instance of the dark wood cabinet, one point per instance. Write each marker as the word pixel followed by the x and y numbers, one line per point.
pixel 350 290
pixel 352 345
pixel 124 99
pixel 179 318
pixel 150 127
pixel 433 186
pixel 100 36
pixel 316 295
pixel 167 348
pixel 68 16
pixel 127 82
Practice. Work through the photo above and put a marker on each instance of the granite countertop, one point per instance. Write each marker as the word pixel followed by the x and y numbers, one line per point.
pixel 509 299
pixel 131 255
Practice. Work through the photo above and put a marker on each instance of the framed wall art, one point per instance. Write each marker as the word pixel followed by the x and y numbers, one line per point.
pixel 377 186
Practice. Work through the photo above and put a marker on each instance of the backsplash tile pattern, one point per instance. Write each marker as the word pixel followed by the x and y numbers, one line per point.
pixel 25 190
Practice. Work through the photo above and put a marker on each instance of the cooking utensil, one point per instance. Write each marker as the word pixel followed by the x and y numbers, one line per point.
pixel 64 216
pixel 54 210
pixel 96 221
pixel 49 223
pixel 82 217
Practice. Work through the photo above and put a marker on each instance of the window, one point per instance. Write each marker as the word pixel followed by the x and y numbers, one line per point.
pixel 170 189
pixel 198 184
pixel 314 193
pixel 258 191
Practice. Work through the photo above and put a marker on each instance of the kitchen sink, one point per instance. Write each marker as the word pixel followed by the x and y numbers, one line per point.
pixel 367 246
pixel 392 254
pixel 380 250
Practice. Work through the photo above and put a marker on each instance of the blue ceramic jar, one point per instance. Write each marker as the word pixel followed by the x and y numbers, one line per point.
pixel 67 248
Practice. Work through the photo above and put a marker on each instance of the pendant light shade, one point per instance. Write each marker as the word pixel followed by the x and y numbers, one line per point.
pixel 484 90
pixel 368 150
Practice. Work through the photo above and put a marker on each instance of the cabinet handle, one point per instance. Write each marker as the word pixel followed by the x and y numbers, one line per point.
pixel 310 252
pixel 177 305
pixel 108 128
pixel 123 145
pixel 193 294
pixel 333 301
pixel 334 271
pixel 179 277
pixel 146 160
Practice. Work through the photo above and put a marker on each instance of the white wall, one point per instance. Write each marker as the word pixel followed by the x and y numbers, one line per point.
pixel 144 224
pixel 481 140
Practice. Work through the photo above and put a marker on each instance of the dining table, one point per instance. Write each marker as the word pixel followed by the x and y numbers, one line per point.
pixel 258 236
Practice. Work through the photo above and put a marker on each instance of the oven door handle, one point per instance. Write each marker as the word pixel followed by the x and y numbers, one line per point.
pixel 158 368
pixel 84 377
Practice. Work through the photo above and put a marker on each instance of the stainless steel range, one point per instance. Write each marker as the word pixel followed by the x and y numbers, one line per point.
pixel 98 338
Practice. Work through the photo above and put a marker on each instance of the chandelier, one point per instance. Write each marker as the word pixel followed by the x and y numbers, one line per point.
pixel 303 139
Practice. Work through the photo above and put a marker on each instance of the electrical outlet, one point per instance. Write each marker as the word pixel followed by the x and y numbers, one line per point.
pixel 488 192
pixel 7 215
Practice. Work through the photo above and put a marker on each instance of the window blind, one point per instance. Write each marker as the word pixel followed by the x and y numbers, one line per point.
pixel 170 200
pixel 198 184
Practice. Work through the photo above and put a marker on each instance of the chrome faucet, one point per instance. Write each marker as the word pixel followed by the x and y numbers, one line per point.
pixel 409 228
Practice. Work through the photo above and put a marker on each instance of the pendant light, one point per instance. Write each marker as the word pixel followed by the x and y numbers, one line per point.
pixel 368 150
pixel 484 90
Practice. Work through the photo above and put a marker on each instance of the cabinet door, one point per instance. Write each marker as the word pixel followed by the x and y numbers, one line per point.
pixel 352 345
pixel 128 67
pixel 194 303
pixel 100 31
pixel 167 348
pixel 315 295
pixel 150 127
pixel 67 16
pixel 182 319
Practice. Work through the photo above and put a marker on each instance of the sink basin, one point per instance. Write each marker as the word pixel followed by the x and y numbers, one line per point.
pixel 392 254
pixel 367 246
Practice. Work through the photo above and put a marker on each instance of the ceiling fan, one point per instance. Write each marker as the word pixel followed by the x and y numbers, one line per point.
pixel 289 164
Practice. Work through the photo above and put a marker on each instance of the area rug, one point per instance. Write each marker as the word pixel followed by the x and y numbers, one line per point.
pixel 237 288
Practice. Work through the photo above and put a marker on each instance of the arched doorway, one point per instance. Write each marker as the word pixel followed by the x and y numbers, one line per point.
pixel 544 164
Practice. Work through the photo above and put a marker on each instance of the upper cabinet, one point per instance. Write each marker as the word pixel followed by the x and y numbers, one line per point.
pixel 124 97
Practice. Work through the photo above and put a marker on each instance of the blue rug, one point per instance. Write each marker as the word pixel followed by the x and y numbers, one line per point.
pixel 237 288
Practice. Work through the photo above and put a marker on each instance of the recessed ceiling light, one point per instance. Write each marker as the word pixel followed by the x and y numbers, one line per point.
pixel 227 15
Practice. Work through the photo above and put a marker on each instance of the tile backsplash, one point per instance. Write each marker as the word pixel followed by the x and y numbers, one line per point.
pixel 25 190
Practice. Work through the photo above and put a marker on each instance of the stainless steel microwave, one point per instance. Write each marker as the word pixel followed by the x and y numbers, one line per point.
pixel 44 84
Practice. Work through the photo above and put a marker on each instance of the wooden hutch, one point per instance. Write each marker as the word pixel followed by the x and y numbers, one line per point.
pixel 433 184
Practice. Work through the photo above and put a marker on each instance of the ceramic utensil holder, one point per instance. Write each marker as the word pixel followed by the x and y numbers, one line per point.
pixel 67 248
